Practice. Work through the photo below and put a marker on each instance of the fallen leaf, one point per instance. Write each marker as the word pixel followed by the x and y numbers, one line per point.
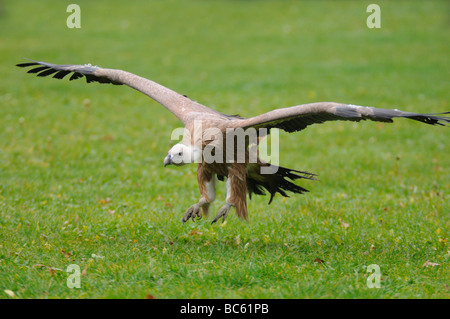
pixel 223 224
pixel 237 240
pixel 148 296
pixel 10 293
pixel 108 138
pixel 105 201
pixel 195 232
pixel 66 254
pixel 38 265
pixel 430 264
pixel 344 224
pixel 51 270
pixel 318 260
pixel 84 271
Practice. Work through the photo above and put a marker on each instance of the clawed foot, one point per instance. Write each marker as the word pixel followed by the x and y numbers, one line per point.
pixel 192 212
pixel 223 212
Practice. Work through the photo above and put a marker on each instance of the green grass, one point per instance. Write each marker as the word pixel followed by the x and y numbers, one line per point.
pixel 81 171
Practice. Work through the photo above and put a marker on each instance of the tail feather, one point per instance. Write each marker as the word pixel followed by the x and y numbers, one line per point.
pixel 280 182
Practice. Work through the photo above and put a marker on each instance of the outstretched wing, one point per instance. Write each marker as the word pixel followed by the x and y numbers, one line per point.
pixel 297 118
pixel 181 106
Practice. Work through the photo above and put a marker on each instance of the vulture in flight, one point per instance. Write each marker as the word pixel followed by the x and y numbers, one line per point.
pixel 207 130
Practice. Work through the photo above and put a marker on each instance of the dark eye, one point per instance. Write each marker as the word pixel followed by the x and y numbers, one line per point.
pixel 180 153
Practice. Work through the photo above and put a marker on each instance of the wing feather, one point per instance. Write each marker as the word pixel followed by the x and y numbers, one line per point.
pixel 181 106
pixel 297 118
pixel 291 119
pixel 61 74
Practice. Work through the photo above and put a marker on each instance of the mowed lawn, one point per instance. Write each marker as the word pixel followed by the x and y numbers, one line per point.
pixel 81 175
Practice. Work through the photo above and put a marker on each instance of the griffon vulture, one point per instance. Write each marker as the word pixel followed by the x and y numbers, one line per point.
pixel 243 176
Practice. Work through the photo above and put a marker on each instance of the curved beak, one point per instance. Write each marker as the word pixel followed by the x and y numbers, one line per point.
pixel 168 160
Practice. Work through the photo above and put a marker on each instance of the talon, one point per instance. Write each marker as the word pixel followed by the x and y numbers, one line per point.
pixel 223 212
pixel 192 212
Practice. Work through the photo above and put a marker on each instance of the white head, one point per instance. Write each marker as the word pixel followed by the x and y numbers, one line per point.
pixel 181 154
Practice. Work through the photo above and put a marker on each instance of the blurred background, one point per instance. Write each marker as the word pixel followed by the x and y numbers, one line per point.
pixel 78 154
pixel 244 57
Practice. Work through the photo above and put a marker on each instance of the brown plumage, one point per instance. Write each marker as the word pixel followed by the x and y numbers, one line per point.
pixel 207 141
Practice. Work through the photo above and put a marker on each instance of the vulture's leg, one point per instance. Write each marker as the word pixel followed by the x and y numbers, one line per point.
pixel 207 186
pixel 236 193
